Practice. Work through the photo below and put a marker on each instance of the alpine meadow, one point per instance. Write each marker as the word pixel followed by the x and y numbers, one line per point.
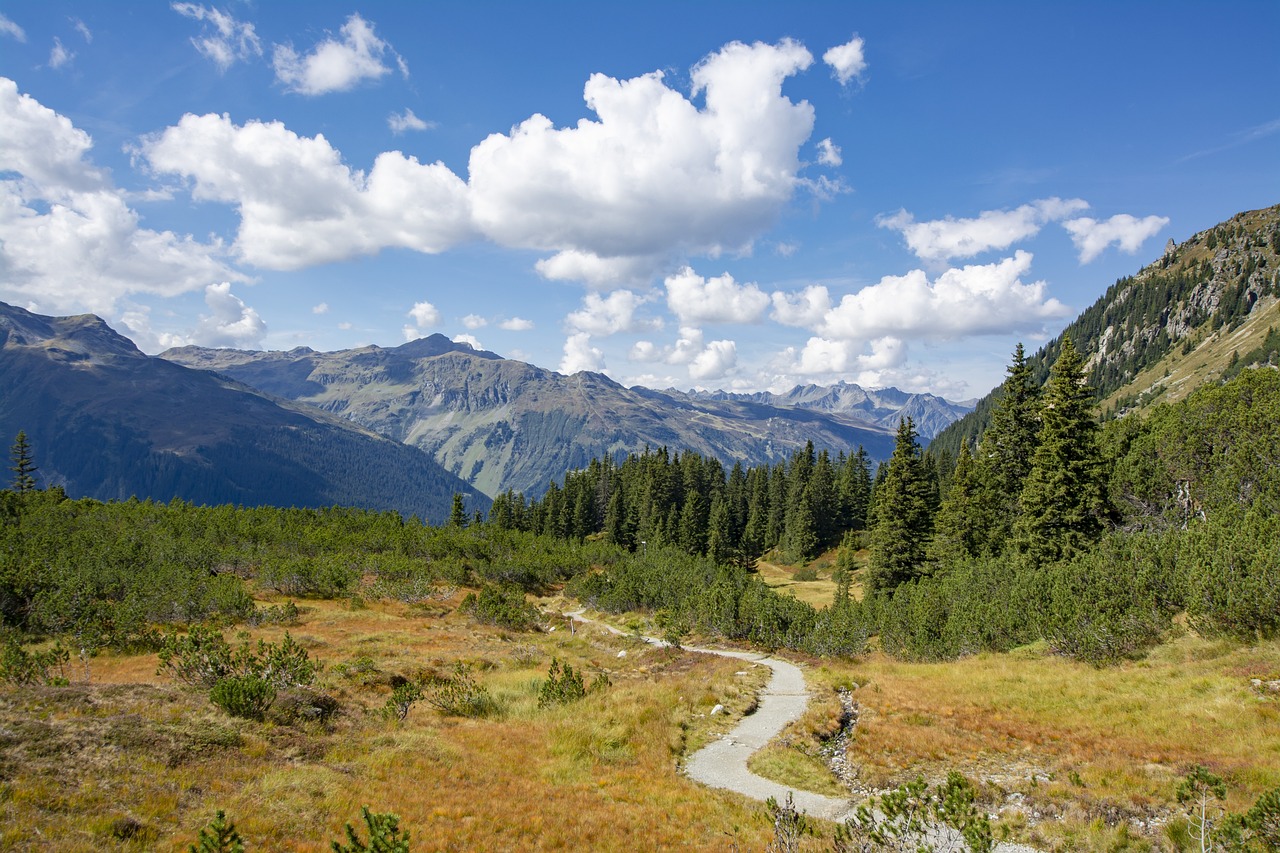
pixel 291 560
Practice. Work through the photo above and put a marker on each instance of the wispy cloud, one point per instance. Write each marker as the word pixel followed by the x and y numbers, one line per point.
pixel 400 122
pixel 225 40
pixel 12 30
pixel 1239 138
pixel 59 56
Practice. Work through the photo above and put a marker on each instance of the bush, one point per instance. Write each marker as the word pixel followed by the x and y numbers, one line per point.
pixel 459 695
pixel 384 835
pixel 18 666
pixel 503 606
pixel 247 696
pixel 202 658
pixel 219 836
pixel 402 699
pixel 565 685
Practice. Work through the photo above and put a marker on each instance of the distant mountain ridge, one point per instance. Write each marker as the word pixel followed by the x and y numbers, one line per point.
pixel 503 424
pixel 884 407
pixel 108 422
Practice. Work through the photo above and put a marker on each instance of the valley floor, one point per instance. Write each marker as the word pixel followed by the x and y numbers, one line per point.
pixel 1067 756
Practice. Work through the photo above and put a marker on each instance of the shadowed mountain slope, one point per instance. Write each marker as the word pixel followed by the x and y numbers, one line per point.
pixel 108 422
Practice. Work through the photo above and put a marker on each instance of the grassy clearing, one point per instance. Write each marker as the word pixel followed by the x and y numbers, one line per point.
pixel 819 592
pixel 128 762
pixel 1081 751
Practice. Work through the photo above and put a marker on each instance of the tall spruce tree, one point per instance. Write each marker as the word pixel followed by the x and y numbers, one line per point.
pixel 23 468
pixel 963 523
pixel 904 520
pixel 1063 503
pixel 1007 447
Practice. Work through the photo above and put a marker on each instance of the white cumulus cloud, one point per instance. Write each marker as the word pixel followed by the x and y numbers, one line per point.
pixel 231 323
pixel 1091 237
pixel 829 153
pixel 942 239
pixel 717 359
pixel 972 300
pixel 694 299
pixel 516 324
pixel 425 316
pixel 68 239
pixel 474 321
pixel 223 39
pixel 847 60
pixel 300 205
pixel 805 309
pixel 609 315
pixel 702 360
pixel 400 122
pixel 580 355
pixel 470 340
pixel 653 175
pixel 337 64
pixel 322 308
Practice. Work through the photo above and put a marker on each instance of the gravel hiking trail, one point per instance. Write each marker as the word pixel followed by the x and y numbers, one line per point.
pixel 723 763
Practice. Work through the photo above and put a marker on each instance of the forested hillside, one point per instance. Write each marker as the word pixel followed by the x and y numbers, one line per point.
pixel 1174 325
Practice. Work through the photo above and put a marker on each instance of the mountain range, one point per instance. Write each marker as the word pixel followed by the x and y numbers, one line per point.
pixel 106 421
pixel 501 424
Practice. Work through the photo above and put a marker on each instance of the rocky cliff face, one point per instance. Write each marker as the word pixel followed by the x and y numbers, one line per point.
pixel 501 424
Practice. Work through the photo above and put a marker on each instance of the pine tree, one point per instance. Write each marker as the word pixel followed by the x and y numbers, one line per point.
pixel 458 511
pixel 962 524
pixel 903 519
pixel 23 467
pixel 1063 502
pixel 855 489
pixel 1010 441
pixel 1004 455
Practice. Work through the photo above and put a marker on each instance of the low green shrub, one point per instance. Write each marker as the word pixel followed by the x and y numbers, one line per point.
pixel 247 696
pixel 459 695
pixel 19 666
pixel 503 606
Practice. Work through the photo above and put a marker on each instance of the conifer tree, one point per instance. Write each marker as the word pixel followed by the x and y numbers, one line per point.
pixel 903 518
pixel 802 535
pixel 23 467
pixel 963 523
pixel 855 489
pixel 1063 501
pixel 1005 452
pixel 458 512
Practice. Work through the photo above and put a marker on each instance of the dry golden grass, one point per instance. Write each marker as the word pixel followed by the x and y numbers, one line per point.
pixel 131 755
pixel 1078 744
pixel 131 762
pixel 819 593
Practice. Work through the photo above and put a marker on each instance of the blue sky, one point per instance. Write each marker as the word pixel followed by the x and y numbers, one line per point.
pixel 720 195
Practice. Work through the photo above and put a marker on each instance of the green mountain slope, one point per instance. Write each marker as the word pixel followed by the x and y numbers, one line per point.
pixel 501 424
pixel 107 421
pixel 1205 310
